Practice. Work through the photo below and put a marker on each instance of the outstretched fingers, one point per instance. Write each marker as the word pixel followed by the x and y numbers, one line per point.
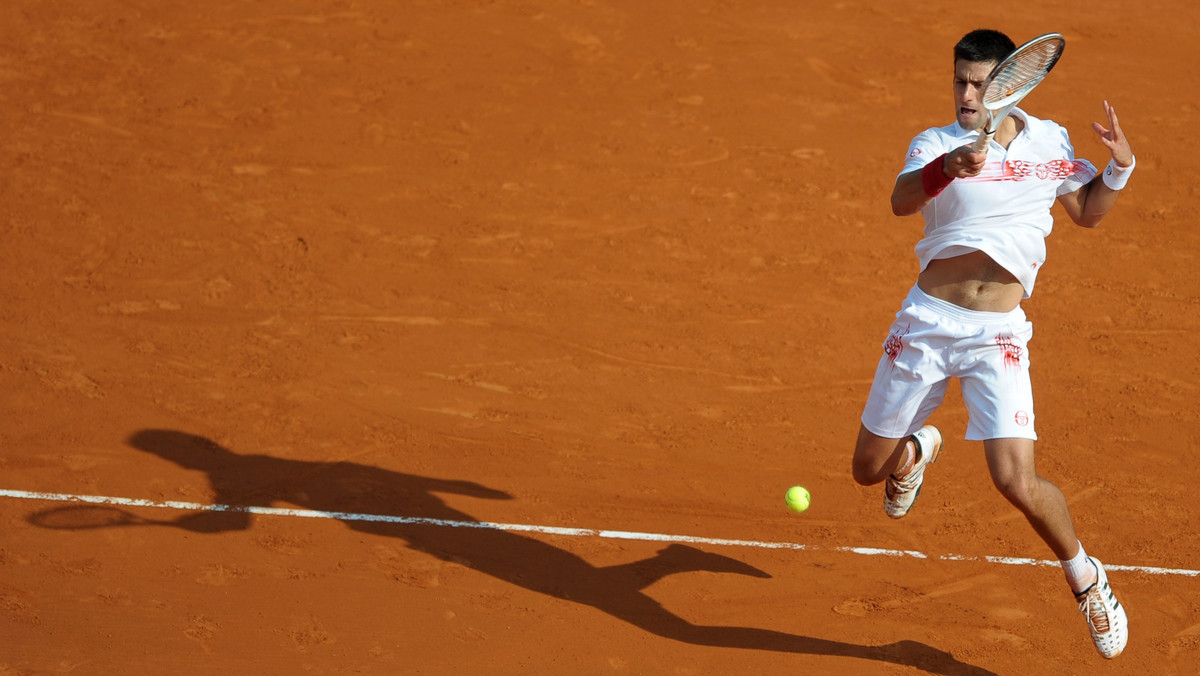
pixel 1113 137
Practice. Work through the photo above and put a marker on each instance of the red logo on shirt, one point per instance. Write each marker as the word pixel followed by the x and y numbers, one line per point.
pixel 1021 170
pixel 1055 170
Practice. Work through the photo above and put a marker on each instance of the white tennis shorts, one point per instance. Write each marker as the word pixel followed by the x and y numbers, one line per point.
pixel 932 341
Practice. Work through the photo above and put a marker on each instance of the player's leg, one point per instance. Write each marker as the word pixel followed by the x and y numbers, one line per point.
pixel 900 463
pixel 999 397
pixel 876 457
pixel 1011 463
pixel 998 393
pixel 892 445
pixel 910 383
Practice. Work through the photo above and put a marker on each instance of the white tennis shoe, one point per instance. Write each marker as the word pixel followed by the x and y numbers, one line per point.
pixel 900 494
pixel 1105 615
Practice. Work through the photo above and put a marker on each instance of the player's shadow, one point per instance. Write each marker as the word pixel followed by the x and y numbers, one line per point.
pixel 347 487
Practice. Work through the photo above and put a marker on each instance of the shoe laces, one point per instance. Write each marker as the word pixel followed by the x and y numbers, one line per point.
pixel 910 482
pixel 1092 605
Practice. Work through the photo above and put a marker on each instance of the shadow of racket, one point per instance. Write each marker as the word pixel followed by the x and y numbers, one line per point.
pixel 83 517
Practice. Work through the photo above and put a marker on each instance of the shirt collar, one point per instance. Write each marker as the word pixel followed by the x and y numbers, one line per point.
pixel 959 132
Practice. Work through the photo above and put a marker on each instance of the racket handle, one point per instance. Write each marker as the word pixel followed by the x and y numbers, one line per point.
pixel 984 140
pixel 988 132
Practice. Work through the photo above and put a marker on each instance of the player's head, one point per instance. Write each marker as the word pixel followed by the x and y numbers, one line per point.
pixel 983 46
pixel 186 450
pixel 974 56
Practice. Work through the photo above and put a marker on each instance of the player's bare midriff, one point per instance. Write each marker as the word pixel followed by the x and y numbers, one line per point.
pixel 973 281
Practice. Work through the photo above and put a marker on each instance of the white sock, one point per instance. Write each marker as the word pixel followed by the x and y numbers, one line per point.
pixel 1080 572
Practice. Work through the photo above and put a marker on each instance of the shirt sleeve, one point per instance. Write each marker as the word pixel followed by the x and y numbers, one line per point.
pixel 925 147
pixel 1079 171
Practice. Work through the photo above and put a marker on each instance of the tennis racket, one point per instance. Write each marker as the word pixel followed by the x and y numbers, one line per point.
pixel 1014 77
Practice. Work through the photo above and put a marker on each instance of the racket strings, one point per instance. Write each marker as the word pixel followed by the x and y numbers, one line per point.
pixel 1022 72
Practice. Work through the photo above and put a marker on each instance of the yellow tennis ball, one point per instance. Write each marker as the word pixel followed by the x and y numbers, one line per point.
pixel 797 498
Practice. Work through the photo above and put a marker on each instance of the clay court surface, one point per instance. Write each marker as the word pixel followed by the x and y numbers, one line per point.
pixel 596 265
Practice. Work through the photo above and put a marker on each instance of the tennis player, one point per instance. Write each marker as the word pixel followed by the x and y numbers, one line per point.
pixel 987 215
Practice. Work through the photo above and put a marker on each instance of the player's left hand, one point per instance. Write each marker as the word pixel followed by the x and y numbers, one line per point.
pixel 1114 138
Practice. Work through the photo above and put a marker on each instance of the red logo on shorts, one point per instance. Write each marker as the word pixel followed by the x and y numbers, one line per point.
pixel 1012 351
pixel 895 345
pixel 1021 418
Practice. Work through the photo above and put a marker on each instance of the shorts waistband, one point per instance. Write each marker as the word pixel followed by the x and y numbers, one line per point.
pixel 918 297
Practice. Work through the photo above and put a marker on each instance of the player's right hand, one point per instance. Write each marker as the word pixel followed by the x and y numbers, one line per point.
pixel 964 162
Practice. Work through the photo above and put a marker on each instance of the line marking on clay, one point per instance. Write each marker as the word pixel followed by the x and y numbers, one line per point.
pixel 554 530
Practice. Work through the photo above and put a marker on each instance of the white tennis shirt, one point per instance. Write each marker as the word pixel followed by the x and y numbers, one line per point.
pixel 1005 210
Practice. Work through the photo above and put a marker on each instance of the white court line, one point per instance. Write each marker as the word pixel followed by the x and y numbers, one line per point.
pixel 552 530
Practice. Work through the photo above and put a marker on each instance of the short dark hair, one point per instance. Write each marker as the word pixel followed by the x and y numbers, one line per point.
pixel 984 46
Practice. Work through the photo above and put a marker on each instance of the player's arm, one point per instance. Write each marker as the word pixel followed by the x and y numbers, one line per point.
pixel 916 188
pixel 1089 205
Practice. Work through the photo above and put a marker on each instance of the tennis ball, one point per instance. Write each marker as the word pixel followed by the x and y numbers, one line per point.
pixel 797 498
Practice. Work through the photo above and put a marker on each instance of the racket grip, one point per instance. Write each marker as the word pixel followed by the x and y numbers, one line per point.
pixel 984 140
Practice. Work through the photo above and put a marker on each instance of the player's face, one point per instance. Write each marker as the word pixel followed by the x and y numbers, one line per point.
pixel 968 81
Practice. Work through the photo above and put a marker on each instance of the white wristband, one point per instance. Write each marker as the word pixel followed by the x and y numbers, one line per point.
pixel 1115 176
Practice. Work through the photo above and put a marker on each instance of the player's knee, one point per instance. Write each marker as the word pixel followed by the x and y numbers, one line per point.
pixel 866 471
pixel 861 476
pixel 871 457
pixel 1017 487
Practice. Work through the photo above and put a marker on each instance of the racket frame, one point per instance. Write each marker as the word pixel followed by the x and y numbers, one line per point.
pixel 999 110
